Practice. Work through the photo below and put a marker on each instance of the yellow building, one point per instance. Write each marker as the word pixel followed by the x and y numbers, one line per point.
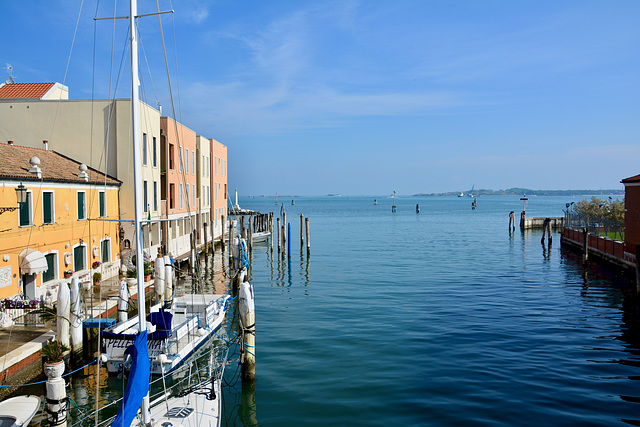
pixel 67 223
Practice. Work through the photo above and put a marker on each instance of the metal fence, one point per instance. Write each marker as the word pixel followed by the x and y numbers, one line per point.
pixel 595 225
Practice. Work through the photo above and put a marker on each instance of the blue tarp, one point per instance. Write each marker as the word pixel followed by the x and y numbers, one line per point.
pixel 137 384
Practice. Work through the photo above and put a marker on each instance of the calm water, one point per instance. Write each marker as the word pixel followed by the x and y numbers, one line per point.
pixel 438 318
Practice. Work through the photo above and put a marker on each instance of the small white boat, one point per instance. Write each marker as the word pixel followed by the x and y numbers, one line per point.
pixel 17 411
pixel 173 334
pixel 260 236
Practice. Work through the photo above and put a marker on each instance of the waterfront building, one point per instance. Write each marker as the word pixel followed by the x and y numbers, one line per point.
pixel 631 215
pixel 203 189
pixel 57 229
pixel 219 191
pixel 178 186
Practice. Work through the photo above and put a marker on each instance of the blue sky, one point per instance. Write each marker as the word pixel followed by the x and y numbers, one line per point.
pixel 367 97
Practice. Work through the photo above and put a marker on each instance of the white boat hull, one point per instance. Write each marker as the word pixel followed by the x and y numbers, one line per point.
pixel 195 318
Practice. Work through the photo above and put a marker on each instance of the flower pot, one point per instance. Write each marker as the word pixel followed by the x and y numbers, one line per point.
pixel 132 280
pixel 54 370
pixel 147 277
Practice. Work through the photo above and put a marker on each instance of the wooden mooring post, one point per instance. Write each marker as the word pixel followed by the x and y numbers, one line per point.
pixel 307 234
pixel 638 268
pixel 585 243
pixel 278 232
pixel 301 229
pixel 248 327
pixel 512 221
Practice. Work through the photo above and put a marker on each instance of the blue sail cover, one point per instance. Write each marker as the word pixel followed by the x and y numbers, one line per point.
pixel 138 383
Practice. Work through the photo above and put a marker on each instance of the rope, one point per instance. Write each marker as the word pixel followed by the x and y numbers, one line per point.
pixel 42 382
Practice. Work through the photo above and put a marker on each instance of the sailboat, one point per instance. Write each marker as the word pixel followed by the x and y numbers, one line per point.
pixel 174 333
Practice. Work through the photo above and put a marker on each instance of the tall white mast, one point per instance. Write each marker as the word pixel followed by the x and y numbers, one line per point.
pixel 137 181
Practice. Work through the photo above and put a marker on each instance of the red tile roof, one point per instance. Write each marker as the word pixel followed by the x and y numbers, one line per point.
pixel 631 179
pixel 24 90
pixel 55 167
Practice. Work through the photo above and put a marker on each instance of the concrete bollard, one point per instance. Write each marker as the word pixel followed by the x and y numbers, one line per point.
pixel 56 394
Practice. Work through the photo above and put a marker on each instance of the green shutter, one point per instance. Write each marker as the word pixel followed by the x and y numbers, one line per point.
pixel 105 251
pixel 47 208
pixel 78 258
pixel 49 274
pixel 103 212
pixel 25 214
pixel 80 205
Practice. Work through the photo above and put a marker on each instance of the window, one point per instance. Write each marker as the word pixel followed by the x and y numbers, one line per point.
pixel 155 196
pixel 193 195
pixel 215 166
pixel 25 211
pixel 102 198
pixel 215 188
pixel 171 157
pixel 144 148
pixel 155 153
pixel 193 162
pixel 79 254
pixel 50 274
pixel 203 169
pixel 47 207
pixel 181 196
pixel 82 205
pixel 145 200
pixel 172 196
pixel 186 165
pixel 105 249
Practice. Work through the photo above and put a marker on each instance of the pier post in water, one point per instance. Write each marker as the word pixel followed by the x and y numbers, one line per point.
pixel 585 243
pixel 278 232
pixel 289 239
pixel 301 229
pixel 306 221
pixel 638 268
pixel 248 327
pixel 512 221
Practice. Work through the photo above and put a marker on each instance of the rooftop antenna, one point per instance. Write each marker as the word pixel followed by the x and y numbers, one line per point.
pixel 9 80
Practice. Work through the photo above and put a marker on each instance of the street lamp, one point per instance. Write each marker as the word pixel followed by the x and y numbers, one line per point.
pixel 21 192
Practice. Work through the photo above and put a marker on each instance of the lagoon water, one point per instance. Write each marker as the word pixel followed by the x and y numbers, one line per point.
pixel 441 318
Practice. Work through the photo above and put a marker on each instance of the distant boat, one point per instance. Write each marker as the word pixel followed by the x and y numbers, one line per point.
pixel 461 194
pixel 470 193
pixel 333 195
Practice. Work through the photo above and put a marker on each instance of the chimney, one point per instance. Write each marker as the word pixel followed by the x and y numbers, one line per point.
pixel 46 145
pixel 10 142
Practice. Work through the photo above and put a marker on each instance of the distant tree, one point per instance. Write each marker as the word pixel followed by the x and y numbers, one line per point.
pixel 610 212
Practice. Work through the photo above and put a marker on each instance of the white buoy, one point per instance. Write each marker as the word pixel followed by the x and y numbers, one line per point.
pixel 247 323
pixel 77 314
pixel 160 282
pixel 168 280
pixel 63 313
pixel 123 301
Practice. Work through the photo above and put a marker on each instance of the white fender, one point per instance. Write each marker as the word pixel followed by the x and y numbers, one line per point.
pixel 168 278
pixel 123 301
pixel 246 304
pixel 160 281
pixel 76 315
pixel 63 313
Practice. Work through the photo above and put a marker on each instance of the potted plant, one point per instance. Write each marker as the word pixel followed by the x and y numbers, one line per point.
pixel 52 358
pixel 97 277
pixel 68 273
pixel 148 271
pixel 132 275
pixel 96 264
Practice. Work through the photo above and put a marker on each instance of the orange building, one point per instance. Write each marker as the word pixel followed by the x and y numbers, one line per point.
pixel 178 181
pixel 66 225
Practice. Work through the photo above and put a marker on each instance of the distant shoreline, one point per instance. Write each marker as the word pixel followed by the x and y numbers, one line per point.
pixel 528 192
